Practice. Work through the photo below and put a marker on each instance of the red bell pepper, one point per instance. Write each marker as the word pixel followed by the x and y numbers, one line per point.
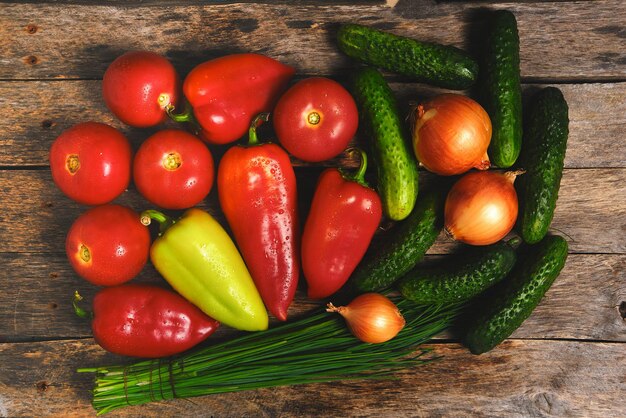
pixel 226 93
pixel 257 192
pixel 343 218
pixel 145 321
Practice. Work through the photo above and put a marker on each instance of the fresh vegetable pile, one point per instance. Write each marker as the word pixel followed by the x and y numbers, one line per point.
pixel 241 274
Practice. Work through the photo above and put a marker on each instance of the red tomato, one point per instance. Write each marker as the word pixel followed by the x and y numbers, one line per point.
pixel 108 245
pixel 138 86
pixel 316 119
pixel 173 169
pixel 91 163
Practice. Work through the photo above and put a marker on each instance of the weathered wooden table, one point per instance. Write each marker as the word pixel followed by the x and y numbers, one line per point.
pixel 568 358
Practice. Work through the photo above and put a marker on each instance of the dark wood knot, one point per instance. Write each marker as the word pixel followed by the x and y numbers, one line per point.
pixel 31 60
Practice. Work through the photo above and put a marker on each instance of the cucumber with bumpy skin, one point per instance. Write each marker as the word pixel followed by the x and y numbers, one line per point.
pixel 397 181
pixel 439 65
pixel 501 90
pixel 460 279
pixel 543 156
pixel 404 246
pixel 511 301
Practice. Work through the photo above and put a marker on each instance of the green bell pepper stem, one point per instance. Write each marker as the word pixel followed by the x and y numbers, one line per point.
pixel 359 175
pixel 80 312
pixel 147 216
pixel 185 116
pixel 256 122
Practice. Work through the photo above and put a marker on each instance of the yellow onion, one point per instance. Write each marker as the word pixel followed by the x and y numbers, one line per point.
pixel 371 317
pixel 481 208
pixel 451 134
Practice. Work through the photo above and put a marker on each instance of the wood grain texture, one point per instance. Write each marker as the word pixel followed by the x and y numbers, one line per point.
pixel 152 3
pixel 519 378
pixel 34 113
pixel 591 210
pixel 568 359
pixel 565 41
pixel 582 304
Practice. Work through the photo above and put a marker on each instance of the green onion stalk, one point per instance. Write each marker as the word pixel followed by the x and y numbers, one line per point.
pixel 315 349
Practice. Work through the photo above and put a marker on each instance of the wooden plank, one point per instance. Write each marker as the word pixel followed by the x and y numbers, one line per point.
pixel 151 3
pixel 519 378
pixel 591 210
pixel 582 304
pixel 567 359
pixel 565 41
pixel 594 125
pixel 38 291
pixel 34 113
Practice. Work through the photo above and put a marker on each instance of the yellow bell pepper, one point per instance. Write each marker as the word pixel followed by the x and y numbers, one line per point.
pixel 199 260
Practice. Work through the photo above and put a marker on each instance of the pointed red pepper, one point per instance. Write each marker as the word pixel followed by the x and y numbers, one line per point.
pixel 226 93
pixel 343 218
pixel 141 320
pixel 257 193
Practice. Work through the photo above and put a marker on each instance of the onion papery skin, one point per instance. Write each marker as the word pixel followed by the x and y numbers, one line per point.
pixel 451 135
pixel 481 208
pixel 371 317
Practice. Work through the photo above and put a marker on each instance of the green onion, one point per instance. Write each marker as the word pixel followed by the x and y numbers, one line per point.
pixel 314 349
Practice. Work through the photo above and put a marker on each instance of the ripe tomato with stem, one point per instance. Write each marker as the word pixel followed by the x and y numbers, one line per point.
pixel 91 163
pixel 108 245
pixel 138 86
pixel 173 169
pixel 315 119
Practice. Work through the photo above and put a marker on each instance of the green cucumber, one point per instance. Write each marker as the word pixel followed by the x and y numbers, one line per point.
pixel 397 181
pixel 404 245
pixel 461 279
pixel 439 65
pixel 511 301
pixel 501 90
pixel 543 155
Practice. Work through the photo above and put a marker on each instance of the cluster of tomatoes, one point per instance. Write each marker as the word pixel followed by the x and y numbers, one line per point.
pixel 93 163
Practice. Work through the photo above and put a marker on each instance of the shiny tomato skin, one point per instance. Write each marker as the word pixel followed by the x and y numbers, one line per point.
pixel 138 85
pixel 173 169
pixel 108 245
pixel 315 119
pixel 91 163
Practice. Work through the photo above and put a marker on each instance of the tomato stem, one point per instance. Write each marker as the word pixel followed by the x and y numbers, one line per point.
pixel 359 175
pixel 256 122
pixel 72 163
pixel 80 312
pixel 172 161
pixel 84 253
pixel 313 118
pixel 147 216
